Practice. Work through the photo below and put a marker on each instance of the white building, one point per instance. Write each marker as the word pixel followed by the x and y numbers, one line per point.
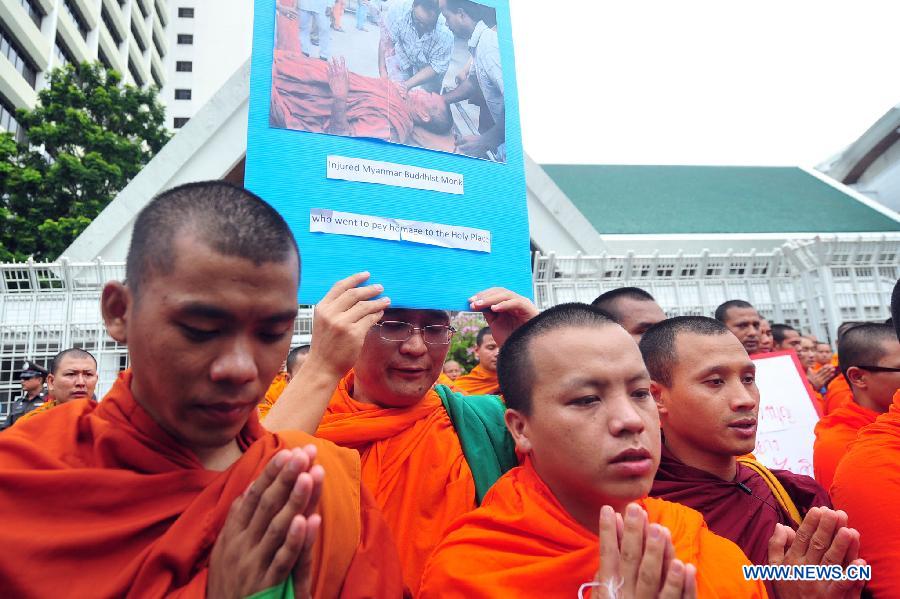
pixel 37 36
pixel 205 39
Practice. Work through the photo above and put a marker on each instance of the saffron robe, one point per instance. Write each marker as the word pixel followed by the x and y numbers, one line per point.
pixel 480 381
pixel 837 394
pixel 302 100
pixel 834 433
pixel 142 514
pixel 523 543
pixel 412 462
pixel 748 519
pixel 867 486
pixel 272 394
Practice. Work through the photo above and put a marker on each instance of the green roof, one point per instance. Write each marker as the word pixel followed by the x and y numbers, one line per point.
pixel 712 199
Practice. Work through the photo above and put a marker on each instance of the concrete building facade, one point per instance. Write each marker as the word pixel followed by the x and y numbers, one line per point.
pixel 37 36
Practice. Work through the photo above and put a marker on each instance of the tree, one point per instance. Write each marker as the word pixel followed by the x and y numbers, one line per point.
pixel 86 138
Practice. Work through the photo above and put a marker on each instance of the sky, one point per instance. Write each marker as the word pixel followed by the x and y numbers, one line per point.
pixel 786 82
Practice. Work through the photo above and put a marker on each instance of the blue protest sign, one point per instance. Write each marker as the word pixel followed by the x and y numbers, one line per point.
pixel 387 134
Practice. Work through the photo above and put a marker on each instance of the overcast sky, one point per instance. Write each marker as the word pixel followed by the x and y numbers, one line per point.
pixel 771 82
pixel 768 82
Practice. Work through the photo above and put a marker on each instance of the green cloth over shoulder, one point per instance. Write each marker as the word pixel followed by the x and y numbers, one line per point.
pixel 487 445
pixel 285 590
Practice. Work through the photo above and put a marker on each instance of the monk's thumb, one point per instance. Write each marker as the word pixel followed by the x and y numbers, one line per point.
pixel 777 544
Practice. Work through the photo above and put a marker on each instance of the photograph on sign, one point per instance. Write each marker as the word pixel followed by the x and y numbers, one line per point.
pixel 424 73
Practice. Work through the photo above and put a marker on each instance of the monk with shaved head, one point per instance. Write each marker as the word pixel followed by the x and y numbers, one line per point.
pixel 575 515
pixel 744 321
pixel 631 307
pixel 73 375
pixel 863 351
pixel 428 454
pixel 704 384
pixel 171 486
pixel 867 480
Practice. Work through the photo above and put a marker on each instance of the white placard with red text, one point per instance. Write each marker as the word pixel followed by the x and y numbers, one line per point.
pixel 787 414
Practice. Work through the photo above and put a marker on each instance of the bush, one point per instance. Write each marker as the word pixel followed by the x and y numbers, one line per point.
pixel 462 347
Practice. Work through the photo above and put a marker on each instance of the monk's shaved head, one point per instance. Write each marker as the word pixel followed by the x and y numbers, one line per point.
pixel 864 345
pixel 228 218
pixel 295 358
pixel 658 345
pixel 722 311
pixel 609 301
pixel 515 371
pixel 72 352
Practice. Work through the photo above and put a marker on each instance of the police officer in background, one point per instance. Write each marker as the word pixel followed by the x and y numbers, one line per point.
pixel 33 392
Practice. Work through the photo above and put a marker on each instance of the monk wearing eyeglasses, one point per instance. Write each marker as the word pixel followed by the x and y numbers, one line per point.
pixel 428 454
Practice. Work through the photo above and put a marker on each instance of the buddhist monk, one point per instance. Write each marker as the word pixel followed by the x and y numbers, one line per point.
pixel 818 377
pixel 786 337
pixel 576 513
pixel 170 485
pixel 482 380
pixel 823 354
pixel 428 454
pixel 766 341
pixel 743 320
pixel 73 375
pixel 632 307
pixel 873 345
pixel 452 369
pixel 867 481
pixel 292 364
pixel 705 389
pixel 837 392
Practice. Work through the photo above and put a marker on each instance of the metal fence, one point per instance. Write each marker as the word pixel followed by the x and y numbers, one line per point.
pixel 812 285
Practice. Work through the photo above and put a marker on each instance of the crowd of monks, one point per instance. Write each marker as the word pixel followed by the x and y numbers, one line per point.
pixel 596 450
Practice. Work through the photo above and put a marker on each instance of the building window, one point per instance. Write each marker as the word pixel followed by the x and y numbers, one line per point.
pixel 138 38
pixel 158 45
pixel 134 74
pixel 182 94
pixel 8 120
pixel 104 59
pixel 62 53
pixel 113 32
pixel 180 121
pixel 184 66
pixel 77 18
pixel 35 13
pixel 13 52
pixel 185 39
pixel 186 13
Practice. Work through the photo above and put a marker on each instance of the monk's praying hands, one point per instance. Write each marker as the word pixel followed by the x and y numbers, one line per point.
pixel 270 529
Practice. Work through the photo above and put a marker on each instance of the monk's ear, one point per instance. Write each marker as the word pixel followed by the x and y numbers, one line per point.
pixel 115 304
pixel 857 377
pixel 518 428
pixel 658 391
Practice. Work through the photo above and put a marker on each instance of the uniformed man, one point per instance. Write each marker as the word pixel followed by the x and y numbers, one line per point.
pixel 33 392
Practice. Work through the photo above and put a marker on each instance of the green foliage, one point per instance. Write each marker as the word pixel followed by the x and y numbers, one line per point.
pixel 86 138
pixel 462 347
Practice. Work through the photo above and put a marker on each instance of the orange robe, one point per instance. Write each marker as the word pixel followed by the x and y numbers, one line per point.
pixel 834 433
pixel 521 542
pixel 837 394
pixel 272 394
pixel 142 514
pixel 478 382
pixel 867 486
pixel 413 463
pixel 38 410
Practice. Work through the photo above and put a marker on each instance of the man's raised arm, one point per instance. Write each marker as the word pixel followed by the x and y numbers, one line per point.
pixel 342 320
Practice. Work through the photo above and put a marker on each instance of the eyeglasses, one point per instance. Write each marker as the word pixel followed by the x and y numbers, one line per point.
pixel 433 334
pixel 877 368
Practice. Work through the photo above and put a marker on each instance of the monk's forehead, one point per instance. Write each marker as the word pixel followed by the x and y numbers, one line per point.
pixel 417 315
